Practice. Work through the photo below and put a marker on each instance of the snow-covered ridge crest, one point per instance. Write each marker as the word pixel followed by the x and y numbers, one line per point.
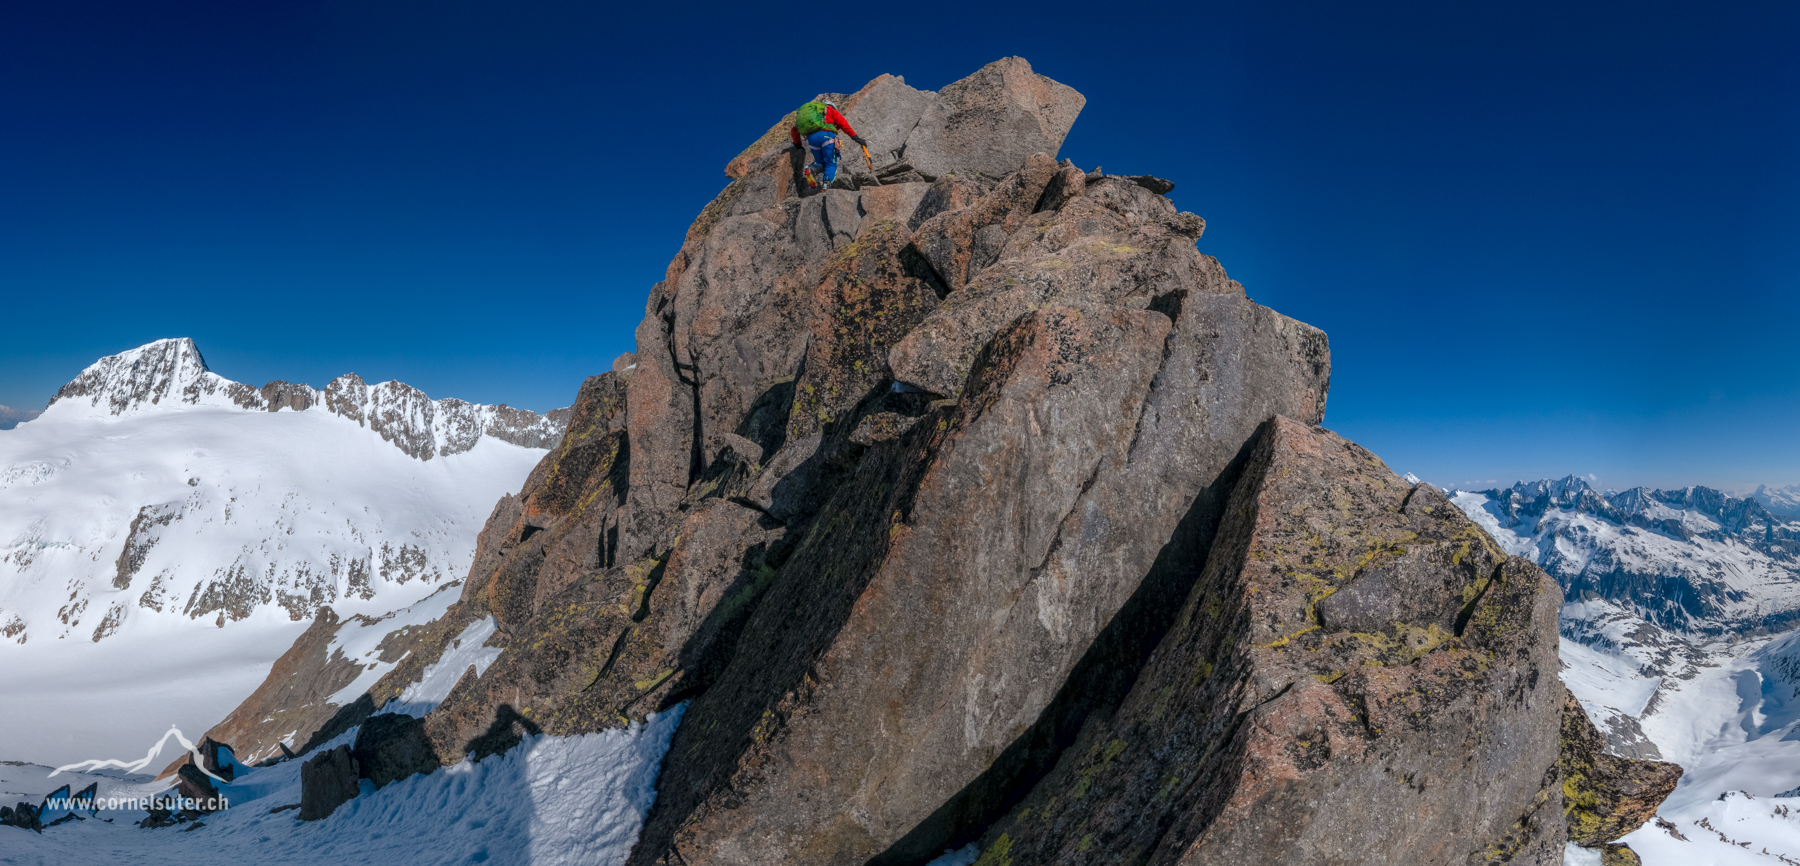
pixel 171 372
pixel 165 372
pixel 1695 560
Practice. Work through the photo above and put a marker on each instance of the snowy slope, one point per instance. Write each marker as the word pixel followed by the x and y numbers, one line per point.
pixel 553 801
pixel 161 544
pixel 1732 720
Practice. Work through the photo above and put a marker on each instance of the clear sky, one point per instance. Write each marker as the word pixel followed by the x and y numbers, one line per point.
pixel 1545 238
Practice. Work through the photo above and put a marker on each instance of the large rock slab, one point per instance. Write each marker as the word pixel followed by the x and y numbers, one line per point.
pixel 990 121
pixel 881 674
pixel 1355 651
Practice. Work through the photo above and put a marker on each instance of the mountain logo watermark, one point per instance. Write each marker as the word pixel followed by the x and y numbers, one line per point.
pixel 138 766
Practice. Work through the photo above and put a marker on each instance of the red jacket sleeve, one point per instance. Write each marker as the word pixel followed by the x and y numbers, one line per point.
pixel 836 118
pixel 794 133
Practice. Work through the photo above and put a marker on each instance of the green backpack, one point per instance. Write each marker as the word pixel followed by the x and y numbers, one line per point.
pixel 811 119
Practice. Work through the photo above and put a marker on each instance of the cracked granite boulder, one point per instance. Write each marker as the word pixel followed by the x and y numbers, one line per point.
pixel 1357 676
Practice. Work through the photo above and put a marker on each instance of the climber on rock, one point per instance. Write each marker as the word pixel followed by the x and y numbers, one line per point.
pixel 816 128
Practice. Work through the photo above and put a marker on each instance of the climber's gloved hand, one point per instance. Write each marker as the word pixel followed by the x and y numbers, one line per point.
pixel 859 141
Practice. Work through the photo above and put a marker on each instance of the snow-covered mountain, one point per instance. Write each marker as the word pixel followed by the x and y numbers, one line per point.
pixel 1693 560
pixel 1781 501
pixel 166 533
pixel 1678 639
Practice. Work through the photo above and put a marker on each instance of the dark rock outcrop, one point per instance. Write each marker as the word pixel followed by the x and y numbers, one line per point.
pixel 391 747
pixel 217 758
pixel 1606 796
pixel 23 816
pixel 142 536
pixel 327 781
pixel 191 784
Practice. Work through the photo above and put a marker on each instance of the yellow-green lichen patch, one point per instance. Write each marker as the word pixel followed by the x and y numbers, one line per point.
pixel 997 854
pixel 651 683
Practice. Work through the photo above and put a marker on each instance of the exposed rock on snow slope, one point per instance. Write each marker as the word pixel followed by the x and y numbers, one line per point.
pixel 557 801
pixel 909 482
pixel 158 526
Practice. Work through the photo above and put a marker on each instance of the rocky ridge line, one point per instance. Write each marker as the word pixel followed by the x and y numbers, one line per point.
pixel 172 371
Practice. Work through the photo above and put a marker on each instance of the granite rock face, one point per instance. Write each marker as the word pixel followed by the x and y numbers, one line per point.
pixel 988 122
pixel 985 124
pixel 1354 648
pixel 971 502
pixel 1606 796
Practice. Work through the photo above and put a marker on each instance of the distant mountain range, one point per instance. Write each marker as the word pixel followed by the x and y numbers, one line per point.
pixel 1782 501
pixel 1694 560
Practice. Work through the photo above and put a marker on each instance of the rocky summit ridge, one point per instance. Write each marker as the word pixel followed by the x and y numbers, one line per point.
pixel 966 501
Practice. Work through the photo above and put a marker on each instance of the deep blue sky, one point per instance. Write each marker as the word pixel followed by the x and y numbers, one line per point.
pixel 1545 238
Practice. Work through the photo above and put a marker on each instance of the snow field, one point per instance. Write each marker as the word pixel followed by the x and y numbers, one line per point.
pixel 297 504
pixel 552 801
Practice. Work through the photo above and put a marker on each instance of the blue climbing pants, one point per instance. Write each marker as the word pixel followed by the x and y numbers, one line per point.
pixel 824 149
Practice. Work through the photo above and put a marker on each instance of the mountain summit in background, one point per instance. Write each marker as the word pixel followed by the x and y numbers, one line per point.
pixel 160 523
pixel 171 372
